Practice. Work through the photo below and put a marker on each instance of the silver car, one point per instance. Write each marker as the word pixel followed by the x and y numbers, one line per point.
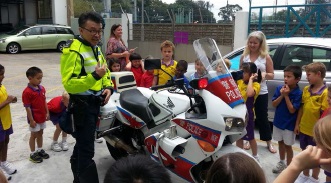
pixel 291 51
pixel 37 37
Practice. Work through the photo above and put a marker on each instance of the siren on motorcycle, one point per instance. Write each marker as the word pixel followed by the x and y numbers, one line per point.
pixel 199 84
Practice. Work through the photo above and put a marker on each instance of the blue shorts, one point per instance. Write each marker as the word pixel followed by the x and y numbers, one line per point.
pixel 306 140
pixel 4 133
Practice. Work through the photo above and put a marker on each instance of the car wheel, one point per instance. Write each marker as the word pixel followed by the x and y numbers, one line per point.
pixel 60 46
pixel 13 48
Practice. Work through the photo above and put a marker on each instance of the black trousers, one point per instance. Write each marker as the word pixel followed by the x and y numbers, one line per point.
pixel 261 117
pixel 85 111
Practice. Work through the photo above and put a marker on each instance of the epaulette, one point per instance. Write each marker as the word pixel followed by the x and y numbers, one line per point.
pixel 68 43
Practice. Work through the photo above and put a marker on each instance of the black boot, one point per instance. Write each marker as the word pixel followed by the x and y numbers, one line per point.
pixel 89 175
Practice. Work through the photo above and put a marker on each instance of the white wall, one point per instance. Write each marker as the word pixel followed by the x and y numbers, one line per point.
pixel 59 12
pixel 125 28
pixel 240 29
pixel 30 7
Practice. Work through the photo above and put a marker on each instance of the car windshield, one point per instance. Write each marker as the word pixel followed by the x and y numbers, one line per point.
pixel 220 81
pixel 17 30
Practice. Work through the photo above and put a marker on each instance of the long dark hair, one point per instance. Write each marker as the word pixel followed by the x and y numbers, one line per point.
pixel 251 68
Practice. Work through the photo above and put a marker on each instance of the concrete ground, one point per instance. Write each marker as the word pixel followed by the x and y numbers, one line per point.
pixel 57 167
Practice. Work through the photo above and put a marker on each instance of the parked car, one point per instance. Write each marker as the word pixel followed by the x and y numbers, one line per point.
pixel 35 37
pixel 291 51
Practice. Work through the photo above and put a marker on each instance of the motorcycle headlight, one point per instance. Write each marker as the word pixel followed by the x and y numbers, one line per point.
pixel 3 40
pixel 234 124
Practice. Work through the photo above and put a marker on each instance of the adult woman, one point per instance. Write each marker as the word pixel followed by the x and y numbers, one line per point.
pixel 256 51
pixel 116 47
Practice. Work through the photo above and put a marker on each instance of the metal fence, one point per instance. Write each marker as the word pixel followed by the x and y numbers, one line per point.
pixel 222 33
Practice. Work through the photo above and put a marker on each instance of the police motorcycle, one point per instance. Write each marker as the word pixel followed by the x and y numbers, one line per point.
pixel 184 130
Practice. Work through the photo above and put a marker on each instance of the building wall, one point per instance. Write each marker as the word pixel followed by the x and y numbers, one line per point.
pixel 59 12
pixel 4 15
pixel 30 9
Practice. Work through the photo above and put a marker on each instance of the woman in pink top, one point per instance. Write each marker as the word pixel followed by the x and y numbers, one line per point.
pixel 116 47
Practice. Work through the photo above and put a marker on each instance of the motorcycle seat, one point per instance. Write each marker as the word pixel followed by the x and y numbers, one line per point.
pixel 135 102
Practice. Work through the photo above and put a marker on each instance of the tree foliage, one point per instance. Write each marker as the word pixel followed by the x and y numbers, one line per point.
pixel 228 12
pixel 154 10
pixel 81 6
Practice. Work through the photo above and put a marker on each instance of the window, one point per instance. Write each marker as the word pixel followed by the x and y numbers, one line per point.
pixel 33 31
pixel 44 9
pixel 49 30
pixel 304 55
pixel 62 30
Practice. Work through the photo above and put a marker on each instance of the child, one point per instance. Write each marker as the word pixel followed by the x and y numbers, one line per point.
pixel 220 68
pixel 181 69
pixel 200 70
pixel 312 156
pixel 325 113
pixel 287 100
pixel 235 167
pixel 168 64
pixel 114 65
pixel 5 126
pixel 34 100
pixel 147 79
pixel 249 88
pixel 314 102
pixel 57 107
pixel 136 66
pixel 137 168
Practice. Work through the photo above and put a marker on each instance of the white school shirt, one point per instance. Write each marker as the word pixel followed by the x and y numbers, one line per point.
pixel 260 64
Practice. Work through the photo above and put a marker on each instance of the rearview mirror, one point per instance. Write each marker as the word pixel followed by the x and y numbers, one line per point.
pixel 151 64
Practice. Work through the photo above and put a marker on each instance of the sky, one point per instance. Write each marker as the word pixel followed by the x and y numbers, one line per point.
pixel 243 3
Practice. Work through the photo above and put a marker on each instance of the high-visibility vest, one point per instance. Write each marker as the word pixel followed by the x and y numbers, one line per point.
pixel 78 61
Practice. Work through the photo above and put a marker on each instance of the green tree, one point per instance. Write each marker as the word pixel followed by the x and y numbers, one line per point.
pixel 81 6
pixel 199 9
pixel 228 12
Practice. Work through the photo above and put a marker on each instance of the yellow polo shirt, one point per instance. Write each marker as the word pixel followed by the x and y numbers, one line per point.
pixel 313 106
pixel 5 115
pixel 164 77
pixel 242 86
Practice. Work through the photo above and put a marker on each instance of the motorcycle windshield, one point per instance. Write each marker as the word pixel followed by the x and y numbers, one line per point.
pixel 220 81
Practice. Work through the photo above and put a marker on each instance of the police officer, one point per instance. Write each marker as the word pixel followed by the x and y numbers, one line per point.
pixel 86 78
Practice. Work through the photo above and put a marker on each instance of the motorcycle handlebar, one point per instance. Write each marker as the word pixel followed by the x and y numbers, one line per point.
pixel 161 86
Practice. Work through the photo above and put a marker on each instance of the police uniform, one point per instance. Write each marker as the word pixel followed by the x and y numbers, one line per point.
pixel 85 87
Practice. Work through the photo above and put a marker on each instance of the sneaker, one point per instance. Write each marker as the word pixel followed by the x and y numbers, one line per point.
pixel 279 167
pixel 8 177
pixel 56 147
pixel 99 140
pixel 8 168
pixel 43 154
pixel 35 158
pixel 312 180
pixel 301 179
pixel 64 146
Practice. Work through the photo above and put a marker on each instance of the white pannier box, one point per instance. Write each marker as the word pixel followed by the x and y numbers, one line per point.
pixel 107 116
